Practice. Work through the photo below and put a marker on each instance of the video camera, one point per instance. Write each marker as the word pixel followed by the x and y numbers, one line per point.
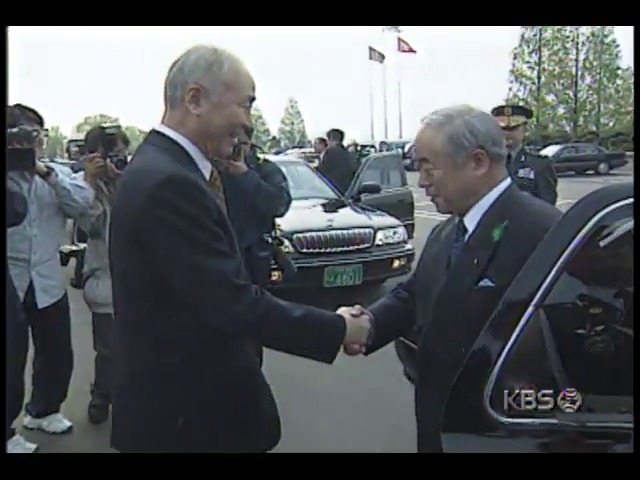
pixel 21 140
pixel 106 139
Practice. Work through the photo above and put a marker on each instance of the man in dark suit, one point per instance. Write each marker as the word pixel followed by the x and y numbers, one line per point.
pixel 187 376
pixel 530 173
pixel 473 255
pixel 337 165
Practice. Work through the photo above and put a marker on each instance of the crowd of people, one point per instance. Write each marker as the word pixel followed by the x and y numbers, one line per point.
pixel 178 260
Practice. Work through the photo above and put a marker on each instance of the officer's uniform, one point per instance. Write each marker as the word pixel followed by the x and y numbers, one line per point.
pixel 531 173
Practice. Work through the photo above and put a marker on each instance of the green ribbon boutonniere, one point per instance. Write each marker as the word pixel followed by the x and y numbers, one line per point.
pixel 498 231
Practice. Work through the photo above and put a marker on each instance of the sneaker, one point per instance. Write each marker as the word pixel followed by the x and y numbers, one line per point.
pixel 18 444
pixel 55 424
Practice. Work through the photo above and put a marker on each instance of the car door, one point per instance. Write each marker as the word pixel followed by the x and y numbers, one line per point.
pixel 396 197
pixel 553 369
pixel 566 159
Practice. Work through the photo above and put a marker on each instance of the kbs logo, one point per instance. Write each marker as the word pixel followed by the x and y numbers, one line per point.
pixel 532 400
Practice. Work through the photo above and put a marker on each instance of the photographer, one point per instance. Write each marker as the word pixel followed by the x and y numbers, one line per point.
pixel 53 195
pixel 256 192
pixel 107 157
pixel 16 329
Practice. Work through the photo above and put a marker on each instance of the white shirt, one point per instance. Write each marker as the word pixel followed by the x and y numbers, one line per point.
pixel 201 161
pixel 473 216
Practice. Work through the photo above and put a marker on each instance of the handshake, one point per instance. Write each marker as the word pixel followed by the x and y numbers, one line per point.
pixel 359 324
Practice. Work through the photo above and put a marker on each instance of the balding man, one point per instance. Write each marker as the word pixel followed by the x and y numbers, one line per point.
pixel 473 255
pixel 187 375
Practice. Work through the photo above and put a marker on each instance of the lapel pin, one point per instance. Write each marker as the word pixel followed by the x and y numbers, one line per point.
pixel 475 261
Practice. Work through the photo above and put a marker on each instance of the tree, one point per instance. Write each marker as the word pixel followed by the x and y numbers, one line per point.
pixel 571 76
pixel 136 135
pixel 292 131
pixel 528 77
pixel 56 142
pixel 261 132
pixel 608 89
pixel 91 121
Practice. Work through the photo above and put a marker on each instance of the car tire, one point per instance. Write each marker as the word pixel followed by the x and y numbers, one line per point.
pixel 603 168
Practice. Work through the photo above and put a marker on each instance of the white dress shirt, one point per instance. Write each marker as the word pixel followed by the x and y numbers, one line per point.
pixel 473 216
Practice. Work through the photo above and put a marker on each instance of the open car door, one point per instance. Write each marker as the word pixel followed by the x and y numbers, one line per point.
pixel 395 196
pixel 552 370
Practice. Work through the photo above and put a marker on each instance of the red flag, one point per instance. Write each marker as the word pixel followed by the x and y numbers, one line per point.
pixel 404 47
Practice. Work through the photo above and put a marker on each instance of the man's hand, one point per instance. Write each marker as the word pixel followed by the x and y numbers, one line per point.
pixel 94 168
pixel 113 172
pixel 236 167
pixel 358 322
pixel 41 170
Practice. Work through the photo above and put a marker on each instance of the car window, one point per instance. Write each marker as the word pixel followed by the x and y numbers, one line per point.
pixel 579 338
pixel 385 171
pixel 587 149
pixel 304 183
pixel 569 151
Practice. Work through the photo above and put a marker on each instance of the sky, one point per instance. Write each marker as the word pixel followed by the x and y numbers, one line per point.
pixel 70 72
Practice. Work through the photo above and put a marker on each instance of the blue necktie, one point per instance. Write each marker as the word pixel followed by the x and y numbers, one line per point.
pixel 458 241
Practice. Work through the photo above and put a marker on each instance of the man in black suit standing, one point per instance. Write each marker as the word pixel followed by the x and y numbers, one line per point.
pixel 187 376
pixel 337 165
pixel 473 255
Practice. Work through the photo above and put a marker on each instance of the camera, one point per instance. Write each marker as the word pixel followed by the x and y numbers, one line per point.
pixel 67 252
pixel 21 140
pixel 106 139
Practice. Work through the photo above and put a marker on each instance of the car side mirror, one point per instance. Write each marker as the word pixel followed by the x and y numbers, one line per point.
pixel 369 188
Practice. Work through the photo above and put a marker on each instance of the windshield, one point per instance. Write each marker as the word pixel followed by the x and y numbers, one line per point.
pixel 550 150
pixel 304 183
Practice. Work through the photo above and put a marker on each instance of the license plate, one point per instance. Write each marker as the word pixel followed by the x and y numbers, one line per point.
pixel 346 276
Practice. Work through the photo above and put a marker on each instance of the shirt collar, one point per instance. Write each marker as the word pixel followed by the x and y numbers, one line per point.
pixel 196 154
pixel 473 216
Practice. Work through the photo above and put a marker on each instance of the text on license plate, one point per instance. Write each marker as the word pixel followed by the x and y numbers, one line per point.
pixel 343 276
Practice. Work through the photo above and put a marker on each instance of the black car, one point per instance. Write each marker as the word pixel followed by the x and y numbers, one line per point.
pixel 552 370
pixel 583 157
pixel 346 241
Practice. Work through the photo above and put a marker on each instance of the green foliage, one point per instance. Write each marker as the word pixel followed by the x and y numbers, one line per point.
pixel 292 131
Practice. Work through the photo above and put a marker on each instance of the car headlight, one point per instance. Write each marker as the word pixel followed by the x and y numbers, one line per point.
pixel 390 236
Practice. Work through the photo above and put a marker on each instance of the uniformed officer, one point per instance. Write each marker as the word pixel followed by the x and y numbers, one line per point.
pixel 531 173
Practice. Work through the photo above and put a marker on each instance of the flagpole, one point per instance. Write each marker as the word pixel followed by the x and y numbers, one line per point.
pixel 385 106
pixel 398 59
pixel 371 103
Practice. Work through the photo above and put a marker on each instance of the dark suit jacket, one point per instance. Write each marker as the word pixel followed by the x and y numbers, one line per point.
pixel 187 376
pixel 432 297
pixel 338 166
pixel 17 208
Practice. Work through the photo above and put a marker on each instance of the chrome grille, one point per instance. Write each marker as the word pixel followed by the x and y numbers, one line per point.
pixel 333 241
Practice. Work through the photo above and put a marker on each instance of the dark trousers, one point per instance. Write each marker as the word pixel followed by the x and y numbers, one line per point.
pixel 101 387
pixel 17 350
pixel 52 356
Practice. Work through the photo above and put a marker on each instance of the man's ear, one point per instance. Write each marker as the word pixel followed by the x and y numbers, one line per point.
pixel 194 99
pixel 481 161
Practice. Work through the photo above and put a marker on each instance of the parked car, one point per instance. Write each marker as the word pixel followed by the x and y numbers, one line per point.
pixel 345 241
pixel 552 370
pixel 583 157
pixel 309 155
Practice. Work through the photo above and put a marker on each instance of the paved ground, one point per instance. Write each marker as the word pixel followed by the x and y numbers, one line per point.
pixel 356 405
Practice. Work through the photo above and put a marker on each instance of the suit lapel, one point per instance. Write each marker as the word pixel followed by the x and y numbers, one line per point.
pixel 473 261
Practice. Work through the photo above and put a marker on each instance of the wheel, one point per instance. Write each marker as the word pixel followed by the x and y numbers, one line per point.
pixel 603 168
